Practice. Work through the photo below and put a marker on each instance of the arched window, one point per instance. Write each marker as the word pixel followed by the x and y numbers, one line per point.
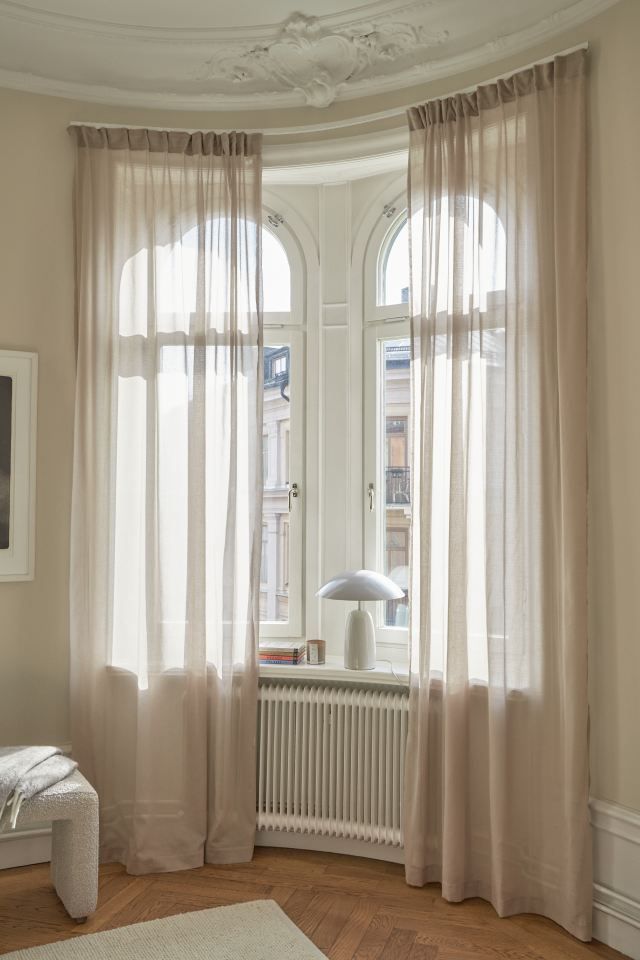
pixel 480 239
pixel 183 260
pixel 466 227
pixel 393 270
pixel 483 273
pixel 276 273
pixel 174 349
pixel 174 297
pixel 387 447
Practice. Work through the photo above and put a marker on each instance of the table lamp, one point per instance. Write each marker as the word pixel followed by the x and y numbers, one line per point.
pixel 360 635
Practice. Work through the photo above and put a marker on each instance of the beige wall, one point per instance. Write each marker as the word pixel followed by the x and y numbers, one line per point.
pixel 614 418
pixel 36 313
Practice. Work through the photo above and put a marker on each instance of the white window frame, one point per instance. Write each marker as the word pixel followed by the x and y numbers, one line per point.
pixel 376 334
pixel 287 329
pixel 292 628
pixel 296 316
pixel 381 240
pixel 383 322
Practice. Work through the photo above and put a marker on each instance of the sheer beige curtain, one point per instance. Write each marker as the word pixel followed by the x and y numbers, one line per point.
pixel 167 491
pixel 497 771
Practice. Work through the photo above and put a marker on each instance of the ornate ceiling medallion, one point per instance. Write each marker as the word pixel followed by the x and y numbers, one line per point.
pixel 318 62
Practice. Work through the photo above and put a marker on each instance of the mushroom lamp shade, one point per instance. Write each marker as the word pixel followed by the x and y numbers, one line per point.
pixel 360 636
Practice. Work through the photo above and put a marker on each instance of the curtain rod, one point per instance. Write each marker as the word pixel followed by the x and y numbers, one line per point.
pixel 507 73
pixel 342 124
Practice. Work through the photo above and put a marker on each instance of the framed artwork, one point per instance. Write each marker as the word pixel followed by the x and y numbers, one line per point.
pixel 18 403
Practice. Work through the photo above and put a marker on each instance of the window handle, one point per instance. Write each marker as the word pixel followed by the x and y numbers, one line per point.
pixel 294 493
pixel 371 497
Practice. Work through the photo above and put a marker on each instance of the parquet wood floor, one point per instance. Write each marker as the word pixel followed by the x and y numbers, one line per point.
pixel 352 909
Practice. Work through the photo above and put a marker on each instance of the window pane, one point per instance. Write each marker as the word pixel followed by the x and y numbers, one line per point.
pixel 394 439
pixel 274 575
pixel 395 268
pixel 276 273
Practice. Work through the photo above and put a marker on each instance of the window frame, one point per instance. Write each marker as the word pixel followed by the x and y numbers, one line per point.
pixel 291 628
pixel 296 316
pixel 394 639
pixel 380 243
pixel 384 250
pixel 381 322
pixel 287 329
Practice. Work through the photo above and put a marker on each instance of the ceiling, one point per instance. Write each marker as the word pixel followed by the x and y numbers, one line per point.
pixel 236 54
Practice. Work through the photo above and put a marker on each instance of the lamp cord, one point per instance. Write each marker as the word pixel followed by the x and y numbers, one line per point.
pixel 402 680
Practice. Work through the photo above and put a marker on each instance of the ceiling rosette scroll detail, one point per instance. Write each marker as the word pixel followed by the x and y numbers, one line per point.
pixel 236 55
pixel 318 62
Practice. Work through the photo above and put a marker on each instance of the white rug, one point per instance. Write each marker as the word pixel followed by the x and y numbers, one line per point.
pixel 246 931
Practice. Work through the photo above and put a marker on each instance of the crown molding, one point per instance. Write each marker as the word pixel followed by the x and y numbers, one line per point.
pixel 303 173
pixel 201 35
pixel 374 145
pixel 499 47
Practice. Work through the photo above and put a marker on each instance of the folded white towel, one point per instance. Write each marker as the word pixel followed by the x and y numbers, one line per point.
pixel 25 771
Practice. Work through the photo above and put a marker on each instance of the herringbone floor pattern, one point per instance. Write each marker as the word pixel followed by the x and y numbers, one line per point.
pixel 352 909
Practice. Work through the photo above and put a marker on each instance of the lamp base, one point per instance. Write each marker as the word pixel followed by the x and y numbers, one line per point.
pixel 360 641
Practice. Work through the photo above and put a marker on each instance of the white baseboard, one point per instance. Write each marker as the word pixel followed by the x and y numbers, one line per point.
pixel 308 841
pixel 19 848
pixel 616 872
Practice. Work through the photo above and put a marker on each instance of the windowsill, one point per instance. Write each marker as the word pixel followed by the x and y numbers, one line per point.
pixel 334 671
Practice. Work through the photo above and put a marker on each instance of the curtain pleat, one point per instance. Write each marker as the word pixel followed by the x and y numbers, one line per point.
pixel 497 774
pixel 167 491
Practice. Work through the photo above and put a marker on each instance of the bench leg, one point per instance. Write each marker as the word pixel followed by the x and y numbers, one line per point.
pixel 74 860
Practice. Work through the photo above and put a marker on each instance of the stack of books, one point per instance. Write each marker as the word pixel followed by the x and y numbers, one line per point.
pixel 282 651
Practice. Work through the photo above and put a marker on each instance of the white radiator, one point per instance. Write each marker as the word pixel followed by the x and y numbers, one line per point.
pixel 331 761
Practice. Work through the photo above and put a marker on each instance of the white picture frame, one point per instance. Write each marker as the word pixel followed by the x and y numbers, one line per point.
pixel 18 412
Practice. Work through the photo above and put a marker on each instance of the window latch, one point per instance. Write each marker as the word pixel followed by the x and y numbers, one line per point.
pixel 294 493
pixel 371 497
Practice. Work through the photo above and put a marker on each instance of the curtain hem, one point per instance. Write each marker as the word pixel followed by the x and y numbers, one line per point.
pixel 229 854
pixel 578 927
pixel 159 863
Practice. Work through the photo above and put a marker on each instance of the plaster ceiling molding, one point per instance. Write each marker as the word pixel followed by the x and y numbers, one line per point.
pixel 328 160
pixel 316 61
pixel 222 56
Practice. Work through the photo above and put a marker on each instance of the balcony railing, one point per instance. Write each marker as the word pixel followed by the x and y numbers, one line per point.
pixel 398 483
